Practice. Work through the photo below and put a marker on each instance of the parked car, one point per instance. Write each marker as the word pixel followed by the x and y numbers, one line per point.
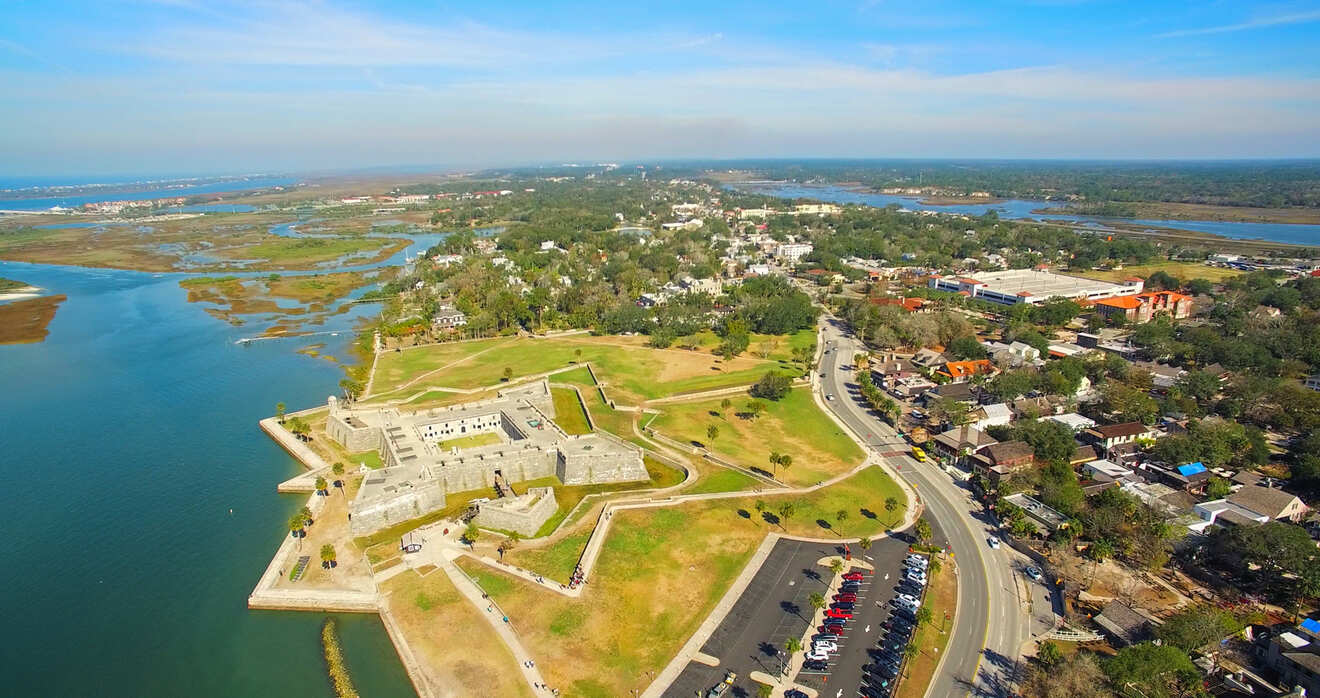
pixel 1033 573
pixel 916 561
pixel 994 542
pixel 846 596
pixel 854 576
pixel 845 605
pixel 835 613
pixel 832 629
pixel 817 656
pixel 827 645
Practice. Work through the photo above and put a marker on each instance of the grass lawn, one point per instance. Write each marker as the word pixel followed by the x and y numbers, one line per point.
pixel 717 479
pixel 660 573
pixel 429 610
pixel 942 597
pixel 1183 270
pixel 569 412
pixel 633 371
pixel 371 459
pixel 469 441
pixel 794 425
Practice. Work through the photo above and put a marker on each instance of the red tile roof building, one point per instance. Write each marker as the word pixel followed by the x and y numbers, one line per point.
pixel 1143 307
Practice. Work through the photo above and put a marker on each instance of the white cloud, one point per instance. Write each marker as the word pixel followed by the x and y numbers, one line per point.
pixel 1259 23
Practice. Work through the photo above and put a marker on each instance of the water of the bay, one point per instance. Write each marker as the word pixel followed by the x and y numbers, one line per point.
pixel 139 500
pixel 1297 234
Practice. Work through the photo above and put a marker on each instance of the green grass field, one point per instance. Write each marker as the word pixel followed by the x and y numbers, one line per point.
pixel 721 480
pixel 569 413
pixel 633 371
pixel 371 459
pixel 794 425
pixel 659 574
pixel 469 441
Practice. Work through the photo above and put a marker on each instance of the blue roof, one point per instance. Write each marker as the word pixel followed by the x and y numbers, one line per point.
pixel 1312 625
pixel 1191 469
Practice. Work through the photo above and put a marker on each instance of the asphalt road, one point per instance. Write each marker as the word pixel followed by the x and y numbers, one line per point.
pixel 774 607
pixel 992 623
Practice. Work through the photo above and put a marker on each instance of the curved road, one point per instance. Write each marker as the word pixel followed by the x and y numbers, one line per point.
pixel 992 622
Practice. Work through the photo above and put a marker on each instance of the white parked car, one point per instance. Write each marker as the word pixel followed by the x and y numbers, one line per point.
pixel 994 542
pixel 824 646
pixel 818 656
pixel 917 561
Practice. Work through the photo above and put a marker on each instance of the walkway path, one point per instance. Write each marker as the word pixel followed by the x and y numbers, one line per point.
pixel 500 622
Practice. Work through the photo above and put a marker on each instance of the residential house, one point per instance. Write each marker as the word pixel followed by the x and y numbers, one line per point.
pixel 994 415
pixel 1295 656
pixel 929 358
pixel 962 371
pixel 1075 422
pixel 1124 624
pixel 961 392
pixel 1111 435
pixel 448 317
pixel 1189 477
pixel 999 460
pixel 1163 376
pixel 1106 469
pixel 1271 502
pixel 960 441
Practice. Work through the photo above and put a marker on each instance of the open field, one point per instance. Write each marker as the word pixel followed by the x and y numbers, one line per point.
pixel 716 479
pixel 26 321
pixel 469 441
pixel 456 648
pixel 371 459
pixel 569 412
pixel 942 597
pixel 634 372
pixel 660 573
pixel 794 426
pixel 1182 270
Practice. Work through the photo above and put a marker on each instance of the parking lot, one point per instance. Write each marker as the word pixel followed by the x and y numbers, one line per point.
pixel 774 607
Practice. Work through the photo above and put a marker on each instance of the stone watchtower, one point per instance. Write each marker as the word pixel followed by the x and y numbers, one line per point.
pixel 333 403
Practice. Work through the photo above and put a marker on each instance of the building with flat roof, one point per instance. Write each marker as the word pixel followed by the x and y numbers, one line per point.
pixel 1013 286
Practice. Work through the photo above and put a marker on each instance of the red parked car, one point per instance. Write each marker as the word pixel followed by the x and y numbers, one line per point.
pixel 854 576
pixel 836 613
pixel 832 629
pixel 850 598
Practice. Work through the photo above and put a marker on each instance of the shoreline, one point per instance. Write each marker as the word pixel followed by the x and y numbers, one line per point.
pixel 20 293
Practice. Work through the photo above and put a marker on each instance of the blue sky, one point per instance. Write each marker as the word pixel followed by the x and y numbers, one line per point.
pixel 215 86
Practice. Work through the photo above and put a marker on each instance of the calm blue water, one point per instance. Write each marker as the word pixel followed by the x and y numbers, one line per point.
pixel 1021 209
pixel 127 437
pixel 145 192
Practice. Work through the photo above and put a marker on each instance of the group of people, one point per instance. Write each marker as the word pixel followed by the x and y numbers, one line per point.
pixel 577 578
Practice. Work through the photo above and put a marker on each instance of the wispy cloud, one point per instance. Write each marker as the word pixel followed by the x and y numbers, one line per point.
pixel 1259 23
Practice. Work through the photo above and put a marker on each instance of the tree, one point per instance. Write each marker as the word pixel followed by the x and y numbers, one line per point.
pixel 841 515
pixel 1197 626
pixel 775 457
pixel 1078 676
pixel 338 470
pixel 328 556
pixel 1218 488
pixel 577 355
pixel 910 652
pixel 725 404
pixel 836 566
pixel 297 527
pixel 321 485
pixel 279 412
pixel 1049 653
pixel 786 511
pixel 923 530
pixel 772 386
pixel 925 615
pixel 891 503
pixel 755 408
pixel 508 374
pixel 764 690
pixel 817 601
pixel 712 432
pixel 1157 671
pixel 471 534
pixel 793 645
pixel 785 461
pixel 759 505
pixel 864 544
pixel 966 347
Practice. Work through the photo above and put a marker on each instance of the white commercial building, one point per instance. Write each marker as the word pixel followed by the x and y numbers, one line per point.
pixel 793 250
pixel 1012 286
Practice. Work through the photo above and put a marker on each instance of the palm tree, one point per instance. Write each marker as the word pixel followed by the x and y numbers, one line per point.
pixel 910 651
pixel 793 645
pixel 841 515
pixel 759 505
pixel 864 544
pixel 338 470
pixel 577 355
pixel 817 601
pixel 923 530
pixel 508 374
pixel 785 461
pixel 785 513
pixel 328 556
pixel 774 461
pixel 296 525
pixel 712 432
pixel 279 411
pixel 934 566
pixel 925 615
pixel 321 484
pixel 764 690
pixel 306 513
pixel 836 566
pixel 891 503
pixel 726 403
pixel 470 535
